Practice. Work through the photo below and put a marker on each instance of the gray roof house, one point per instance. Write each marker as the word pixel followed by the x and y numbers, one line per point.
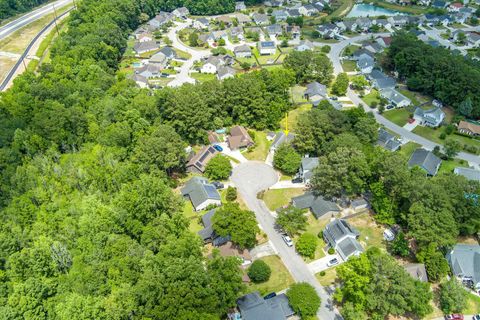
pixel 380 80
pixel 260 18
pixel 305 45
pixel 317 204
pixel 208 234
pixel 146 46
pixel 387 140
pixel 201 193
pixel 149 70
pixel 464 259
pixel 417 271
pixel 341 236
pixel 168 52
pixel 315 92
pixel 365 63
pixel 242 51
pixel 274 29
pixel 470 174
pixel 280 15
pixel 240 6
pixel 225 73
pixel 181 12
pixel 426 160
pixel 395 98
pixel 199 161
pixel 431 118
pixel 253 307
pixel 281 138
pixel 306 168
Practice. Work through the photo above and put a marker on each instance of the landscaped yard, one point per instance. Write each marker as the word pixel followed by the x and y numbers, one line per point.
pixel 408 149
pixel 266 59
pixel 349 65
pixel 329 278
pixel 434 135
pixel 397 116
pixel 260 150
pixel 371 234
pixel 314 227
pixel 202 77
pixel 371 97
pixel 280 278
pixel 349 50
pixel 276 198
pixel 448 166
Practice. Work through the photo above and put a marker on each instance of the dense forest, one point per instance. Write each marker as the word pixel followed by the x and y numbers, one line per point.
pixel 437 72
pixel 9 8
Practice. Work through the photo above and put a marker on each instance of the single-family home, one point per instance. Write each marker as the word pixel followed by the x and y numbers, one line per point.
pixel 315 92
pixel 464 260
pixel 305 45
pixel 455 7
pixel 260 19
pixel 145 37
pixel 306 168
pixel 140 80
pixel 320 6
pixel 149 70
pixel 213 137
pixel 395 98
pixel 201 193
pixel 426 160
pixel 387 140
pixel 473 38
pixel 160 19
pixel 295 31
pixel 459 17
pixel 347 25
pixel 308 10
pixel 373 47
pixel 380 80
pixel 253 307
pixel 382 23
pixel 267 48
pixel 431 118
pixel 470 174
pixel 341 236
pixel 271 135
pixel 207 234
pixel 359 205
pixel 280 15
pixel 417 271
pixel 294 13
pixel 274 29
pixel 225 73
pixel 470 128
pixel 242 51
pixel 200 160
pixel 318 205
pixel 280 139
pixel 243 18
pixel 440 4
pixel 360 52
pixel 384 41
pixel 365 64
pixel 398 21
pixel 201 23
pixel 158 58
pixel 237 32
pixel 226 20
pixel 239 138
pixel 328 30
pixel 212 64
pixel 181 13
pixel 363 23
pixel 168 52
pixel 146 46
pixel 273 3
pixel 240 6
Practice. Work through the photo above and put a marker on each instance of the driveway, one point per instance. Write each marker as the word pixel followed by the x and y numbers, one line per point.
pixel 410 126
pixel 287 184
pixel 251 178
pixel 235 154
pixel 321 264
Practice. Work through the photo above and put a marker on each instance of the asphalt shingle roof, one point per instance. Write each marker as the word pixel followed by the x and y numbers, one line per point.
pixel 426 160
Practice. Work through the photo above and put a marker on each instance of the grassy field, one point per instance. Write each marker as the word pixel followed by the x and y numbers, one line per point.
pixel 343 9
pixel 293 117
pixel 434 135
pixel 260 151
pixel 267 58
pixel 276 198
pixel 447 166
pixel 280 278
pixel 408 149
pixel 397 116
pixel 349 65
pixel 202 77
pixel 371 97
pixel 371 234
pixel 329 278
pixel 392 6
pixel 297 94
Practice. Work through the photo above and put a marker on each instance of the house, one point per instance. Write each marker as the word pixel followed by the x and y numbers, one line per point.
pixel 306 168
pixel 226 20
pixel 168 52
pixel 464 260
pixel 431 118
pixel 294 13
pixel 280 15
pixel 387 140
pixel 341 236
pixel 395 98
pixel 363 23
pixel 384 41
pixel 237 32
pixel 240 6
pixel 426 160
pixel 239 138
pixel 360 52
pixel 305 45
pixel 158 58
pixel 199 161
pixel 295 31
pixel 383 23
pixel 380 80
pixel 201 23
pixel 140 80
pixel 243 51
pixel 280 139
pixel 201 193
pixel 213 137
pixel 470 128
pixel 473 38
pixel 225 73
pixel 160 19
pixel 365 64
pixel 315 92
pixel 212 64
pixel 398 21
pixel 242 18
pixel 440 4
pixel 144 37
pixel 417 271
pixel 207 234
pixel 253 307
pixel 373 47
pixel 319 206
pixel 267 48
pixel 470 174
pixel 455 7
pixel 260 19
pixel 328 30
pixel 146 46
pixel 149 70
pixel 347 25
pixel 271 135
pixel 208 38
pixel 181 13
pixel 307 10
pixel 359 205
pixel 274 29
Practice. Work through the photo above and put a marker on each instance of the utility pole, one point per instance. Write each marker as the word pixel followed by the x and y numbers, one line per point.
pixel 55 18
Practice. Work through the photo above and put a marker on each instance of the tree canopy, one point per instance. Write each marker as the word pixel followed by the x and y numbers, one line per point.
pixel 310 66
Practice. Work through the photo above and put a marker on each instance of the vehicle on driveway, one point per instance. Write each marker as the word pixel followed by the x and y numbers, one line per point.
pixel 454 316
pixel 411 120
pixel 287 240
pixel 332 262
pixel 270 296
pixel 218 185
pixel 297 180
pixel 476 317
pixel 218 148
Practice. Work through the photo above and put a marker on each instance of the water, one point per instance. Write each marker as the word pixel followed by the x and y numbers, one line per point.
pixel 137 64
pixel 368 10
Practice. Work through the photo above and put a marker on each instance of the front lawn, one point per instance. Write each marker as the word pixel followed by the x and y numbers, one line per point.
pixel 280 278
pixel 314 227
pixel 447 166
pixel 398 116
pixel 260 150
pixel 349 65
pixel 371 97
pixel 408 148
pixel 329 278
pixel 202 77
pixel 277 198
pixel 434 135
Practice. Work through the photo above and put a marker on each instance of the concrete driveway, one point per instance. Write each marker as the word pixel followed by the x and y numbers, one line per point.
pixel 410 126
pixel 235 154
pixel 321 264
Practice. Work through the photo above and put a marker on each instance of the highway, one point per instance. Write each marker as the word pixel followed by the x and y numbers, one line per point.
pixel 30 17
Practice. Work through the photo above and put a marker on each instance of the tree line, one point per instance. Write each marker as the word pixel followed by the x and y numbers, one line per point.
pixel 10 8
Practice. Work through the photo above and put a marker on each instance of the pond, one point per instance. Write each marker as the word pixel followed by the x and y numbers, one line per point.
pixel 368 10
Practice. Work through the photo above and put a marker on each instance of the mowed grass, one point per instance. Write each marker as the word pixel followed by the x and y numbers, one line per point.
pixel 293 115
pixel 202 77
pixel 371 97
pixel 398 116
pixel 280 278
pixel 277 198
pixel 473 304
pixel 314 227
pixel 329 278
pixel 371 233
pixel 260 151
pixel 349 65
pixel 408 148
pixel 449 165
pixel 297 94
pixel 434 135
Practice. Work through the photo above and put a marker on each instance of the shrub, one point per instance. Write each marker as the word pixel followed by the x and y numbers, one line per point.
pixel 320 235
pixel 306 245
pixel 453 298
pixel 303 299
pixel 322 273
pixel 326 49
pixel 231 194
pixel 331 251
pixel 259 271
pixel 443 135
pixel 218 168
pixel 287 159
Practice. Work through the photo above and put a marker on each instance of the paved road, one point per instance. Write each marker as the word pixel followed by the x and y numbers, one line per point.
pixel 30 17
pixel 252 177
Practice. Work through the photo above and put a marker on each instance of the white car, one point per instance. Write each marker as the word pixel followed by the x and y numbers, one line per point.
pixel 332 262
pixel 287 240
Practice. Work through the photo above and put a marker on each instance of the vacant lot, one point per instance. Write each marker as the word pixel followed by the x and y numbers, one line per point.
pixel 277 198
pixel 398 116
pixel 280 278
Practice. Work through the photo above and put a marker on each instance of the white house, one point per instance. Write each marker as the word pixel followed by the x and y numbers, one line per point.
pixel 243 51
pixel 267 48
pixel 212 65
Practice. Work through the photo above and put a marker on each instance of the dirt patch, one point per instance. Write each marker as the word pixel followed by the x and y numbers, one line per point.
pixel 6 64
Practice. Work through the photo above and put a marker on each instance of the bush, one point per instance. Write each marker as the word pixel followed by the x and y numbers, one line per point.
pixel 326 49
pixel 320 235
pixel 286 159
pixel 443 135
pixel 453 297
pixel 306 245
pixel 231 194
pixel 331 251
pixel 303 299
pixel 218 168
pixel 259 271
pixel 322 273
pixel 374 104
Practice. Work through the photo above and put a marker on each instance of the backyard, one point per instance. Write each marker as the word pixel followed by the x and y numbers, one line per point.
pixel 260 151
pixel 280 278
pixel 293 117
pixel 277 198
pixel 447 166
pixel 349 65
pixel 371 233
pixel 202 77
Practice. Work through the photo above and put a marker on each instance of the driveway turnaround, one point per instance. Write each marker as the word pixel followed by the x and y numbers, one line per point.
pixel 251 178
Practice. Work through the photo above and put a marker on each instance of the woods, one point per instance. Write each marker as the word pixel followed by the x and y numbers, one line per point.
pixel 10 8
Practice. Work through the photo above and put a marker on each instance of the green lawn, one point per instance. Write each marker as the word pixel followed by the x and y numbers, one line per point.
pixel 447 166
pixel 276 198
pixel 280 278
pixel 349 65
pixel 371 97
pixel 371 234
pixel 182 54
pixel 408 149
pixel 297 94
pixel 293 117
pixel 203 77
pixel 434 135
pixel 266 58
pixel 314 227
pixel 260 150
pixel 349 50
pixel 329 278
pixel 392 6
pixel 410 95
pixel 473 304
pixel 343 9
pixel 397 116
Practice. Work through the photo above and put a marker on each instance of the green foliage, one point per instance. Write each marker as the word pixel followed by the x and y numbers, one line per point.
pixel 11 7
pixel 452 147
pixel 286 159
pixel 303 299
pixel 259 271
pixel 452 297
pixel 435 263
pixel 399 246
pixel 359 83
pixel 231 194
pixel 218 168
pixel 326 49
pixel 306 245
pixel 193 39
pixel 331 251
pixel 292 220
pixel 340 85
pixel 310 66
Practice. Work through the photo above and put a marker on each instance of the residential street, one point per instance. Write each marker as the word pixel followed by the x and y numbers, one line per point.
pixel 252 177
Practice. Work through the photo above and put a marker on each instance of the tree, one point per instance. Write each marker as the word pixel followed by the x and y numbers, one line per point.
pixel 193 39
pixel 435 263
pixel 326 49
pixel 292 220
pixel 465 107
pixel 310 66
pixel 286 159
pixel 218 168
pixel 259 271
pixel 303 299
pixel 231 194
pixel 359 82
pixel 452 147
pixel 453 297
pixel 306 245
pixel 241 225
pixel 340 85
pixel 399 246
pixel 221 42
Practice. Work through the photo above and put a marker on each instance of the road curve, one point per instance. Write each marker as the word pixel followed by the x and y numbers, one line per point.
pixel 251 178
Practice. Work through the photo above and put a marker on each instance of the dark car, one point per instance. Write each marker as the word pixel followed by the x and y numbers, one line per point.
pixel 270 295
pixel 297 180
pixel 218 148
pixel 218 185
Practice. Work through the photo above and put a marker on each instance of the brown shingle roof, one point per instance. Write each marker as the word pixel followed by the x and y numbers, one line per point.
pixel 239 138
pixel 474 128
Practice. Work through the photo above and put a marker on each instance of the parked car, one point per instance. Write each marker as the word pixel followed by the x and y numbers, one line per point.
pixel 270 296
pixel 297 180
pixel 454 316
pixel 218 148
pixel 218 185
pixel 476 317
pixel 334 98
pixel 332 262
pixel 389 107
pixel 388 235
pixel 287 240
pixel 411 120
